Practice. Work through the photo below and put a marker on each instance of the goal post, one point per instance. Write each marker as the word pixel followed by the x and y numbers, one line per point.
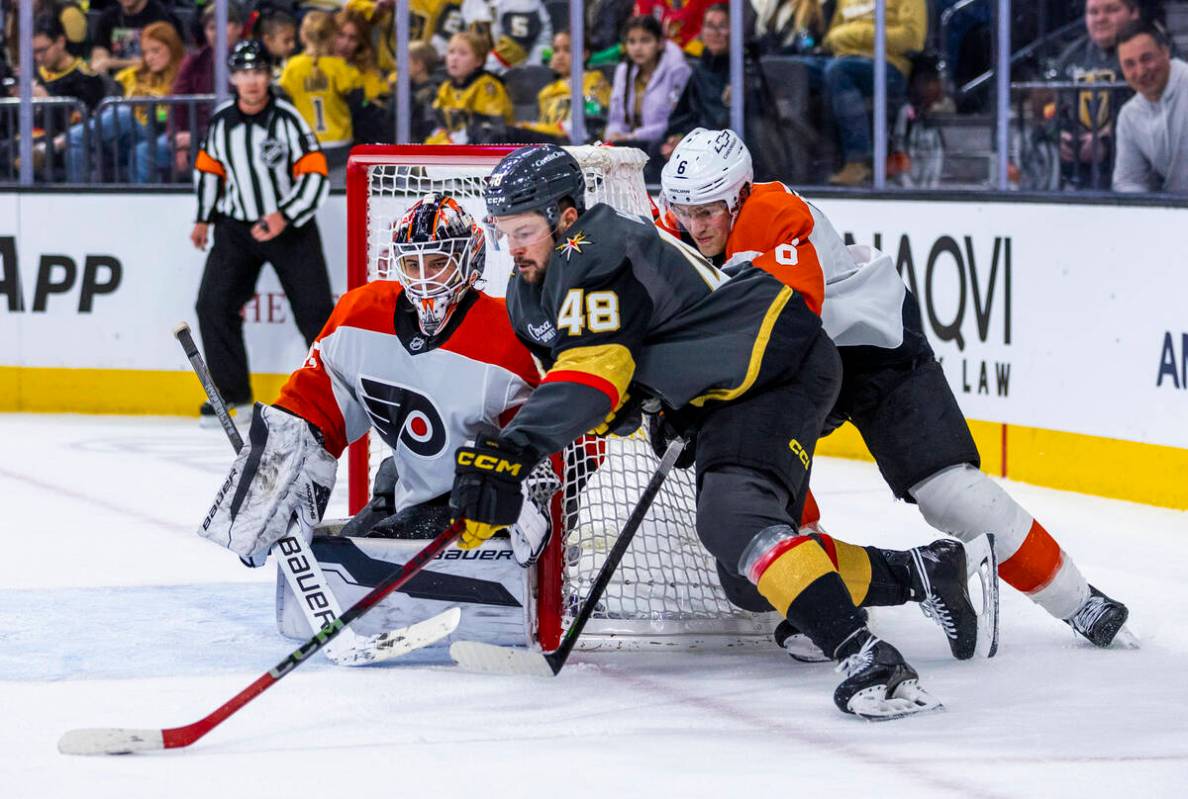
pixel 666 592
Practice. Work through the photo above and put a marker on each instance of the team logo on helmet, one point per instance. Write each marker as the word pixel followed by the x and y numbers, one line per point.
pixel 573 244
pixel 404 417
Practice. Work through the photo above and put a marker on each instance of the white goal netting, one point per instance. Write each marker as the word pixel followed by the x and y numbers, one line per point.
pixel 666 590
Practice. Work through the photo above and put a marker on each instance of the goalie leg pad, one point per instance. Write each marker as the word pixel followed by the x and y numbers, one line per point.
pixel 283 470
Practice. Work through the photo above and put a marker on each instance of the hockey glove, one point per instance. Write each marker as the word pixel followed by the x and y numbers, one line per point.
pixel 661 431
pixel 488 492
pixel 283 470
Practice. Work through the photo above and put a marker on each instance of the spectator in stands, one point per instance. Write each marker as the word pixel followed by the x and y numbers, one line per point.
pixel 353 44
pixel 848 75
pixel 472 96
pixel 278 34
pixel 430 21
pixel 705 102
pixel 553 123
pixel 59 74
pixel 787 27
pixel 70 14
pixel 1152 125
pixel 1085 118
pixel 647 85
pixel 117 33
pixel 323 86
pixel 423 86
pixel 680 20
pixel 519 30
pixel 161 54
pixel 196 76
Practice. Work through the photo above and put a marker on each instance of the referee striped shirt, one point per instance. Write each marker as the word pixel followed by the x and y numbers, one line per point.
pixel 251 166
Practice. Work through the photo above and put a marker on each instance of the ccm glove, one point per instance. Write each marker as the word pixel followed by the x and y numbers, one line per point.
pixel 488 494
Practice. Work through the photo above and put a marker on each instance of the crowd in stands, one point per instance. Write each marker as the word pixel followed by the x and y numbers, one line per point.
pixel 497 71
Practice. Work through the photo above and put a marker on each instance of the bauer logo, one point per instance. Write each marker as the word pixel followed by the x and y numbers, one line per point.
pixel 57 276
pixel 964 290
pixel 1173 361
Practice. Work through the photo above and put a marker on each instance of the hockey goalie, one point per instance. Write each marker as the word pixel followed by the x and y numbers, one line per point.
pixel 431 363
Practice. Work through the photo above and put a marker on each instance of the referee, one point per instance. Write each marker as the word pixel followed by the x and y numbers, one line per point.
pixel 260 177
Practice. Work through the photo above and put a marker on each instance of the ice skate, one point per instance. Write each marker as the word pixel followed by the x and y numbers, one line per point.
pixel 798 645
pixel 939 581
pixel 1101 620
pixel 879 684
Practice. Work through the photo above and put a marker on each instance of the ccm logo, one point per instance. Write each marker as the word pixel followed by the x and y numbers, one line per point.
pixel 488 463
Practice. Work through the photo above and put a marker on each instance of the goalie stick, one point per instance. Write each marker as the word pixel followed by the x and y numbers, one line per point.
pixel 120 741
pixel 296 560
pixel 477 656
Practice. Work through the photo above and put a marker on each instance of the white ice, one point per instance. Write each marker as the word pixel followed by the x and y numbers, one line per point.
pixel 114 613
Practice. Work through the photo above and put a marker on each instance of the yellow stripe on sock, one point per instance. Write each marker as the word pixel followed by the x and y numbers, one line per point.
pixel 791 573
pixel 854 566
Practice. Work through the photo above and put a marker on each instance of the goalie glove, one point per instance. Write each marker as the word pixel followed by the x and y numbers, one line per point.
pixel 282 471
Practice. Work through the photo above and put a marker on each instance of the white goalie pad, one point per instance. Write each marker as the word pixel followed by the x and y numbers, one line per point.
pixel 496 595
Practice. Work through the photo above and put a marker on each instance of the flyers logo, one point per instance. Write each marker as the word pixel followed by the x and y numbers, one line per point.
pixel 404 417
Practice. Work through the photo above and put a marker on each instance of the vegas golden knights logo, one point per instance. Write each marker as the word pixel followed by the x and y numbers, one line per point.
pixel 1093 106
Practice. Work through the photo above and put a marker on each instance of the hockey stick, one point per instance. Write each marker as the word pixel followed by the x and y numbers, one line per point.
pixel 119 741
pixel 296 560
pixel 477 656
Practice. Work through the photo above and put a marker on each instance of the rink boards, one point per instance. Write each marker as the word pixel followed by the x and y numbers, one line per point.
pixel 1061 327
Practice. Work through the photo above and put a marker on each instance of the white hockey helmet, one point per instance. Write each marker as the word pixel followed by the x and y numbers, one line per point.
pixel 708 166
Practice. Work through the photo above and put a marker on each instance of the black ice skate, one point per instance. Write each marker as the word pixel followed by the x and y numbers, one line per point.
pixel 1100 619
pixel 939 582
pixel 879 684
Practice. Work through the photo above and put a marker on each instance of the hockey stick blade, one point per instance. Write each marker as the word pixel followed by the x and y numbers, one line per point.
pixel 111 741
pixel 981 563
pixel 394 643
pixel 492 659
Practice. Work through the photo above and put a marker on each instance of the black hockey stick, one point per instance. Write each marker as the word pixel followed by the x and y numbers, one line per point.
pixel 477 656
pixel 300 568
pixel 122 740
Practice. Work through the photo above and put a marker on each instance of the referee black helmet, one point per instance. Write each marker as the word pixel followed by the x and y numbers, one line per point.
pixel 249 54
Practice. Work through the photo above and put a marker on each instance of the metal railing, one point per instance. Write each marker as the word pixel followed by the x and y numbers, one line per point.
pixel 140 145
pixel 52 116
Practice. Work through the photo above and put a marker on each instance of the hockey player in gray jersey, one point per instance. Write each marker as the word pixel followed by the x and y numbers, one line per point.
pixel 620 312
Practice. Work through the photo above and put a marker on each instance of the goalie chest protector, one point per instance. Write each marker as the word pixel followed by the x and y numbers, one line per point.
pixel 372 367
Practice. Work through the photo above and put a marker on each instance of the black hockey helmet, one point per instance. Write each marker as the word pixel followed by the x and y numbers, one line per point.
pixel 535 178
pixel 249 54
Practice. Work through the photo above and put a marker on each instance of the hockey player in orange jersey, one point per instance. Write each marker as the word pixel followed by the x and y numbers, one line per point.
pixel 426 359
pixel 893 389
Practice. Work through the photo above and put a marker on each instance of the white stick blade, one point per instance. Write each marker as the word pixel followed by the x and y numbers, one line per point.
pixel 394 643
pixel 110 741
pixel 491 659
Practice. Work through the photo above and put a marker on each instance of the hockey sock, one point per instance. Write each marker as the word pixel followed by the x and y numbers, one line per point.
pixel 965 503
pixel 796 575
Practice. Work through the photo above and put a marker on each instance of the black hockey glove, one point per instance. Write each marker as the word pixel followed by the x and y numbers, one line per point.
pixel 661 431
pixel 488 491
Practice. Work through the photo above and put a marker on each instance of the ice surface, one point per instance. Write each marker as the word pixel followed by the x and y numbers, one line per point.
pixel 114 613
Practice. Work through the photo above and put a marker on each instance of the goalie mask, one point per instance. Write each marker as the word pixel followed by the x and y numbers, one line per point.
pixel 437 253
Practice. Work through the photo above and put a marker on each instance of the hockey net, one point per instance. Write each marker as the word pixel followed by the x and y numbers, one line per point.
pixel 666 591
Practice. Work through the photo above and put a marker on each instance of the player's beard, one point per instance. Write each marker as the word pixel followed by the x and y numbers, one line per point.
pixel 529 270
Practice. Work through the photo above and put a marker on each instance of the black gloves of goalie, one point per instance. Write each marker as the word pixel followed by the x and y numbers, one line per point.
pixel 487 489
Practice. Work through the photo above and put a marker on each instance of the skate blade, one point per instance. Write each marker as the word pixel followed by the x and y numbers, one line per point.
pixel 1126 639
pixel 982 563
pixel 909 699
